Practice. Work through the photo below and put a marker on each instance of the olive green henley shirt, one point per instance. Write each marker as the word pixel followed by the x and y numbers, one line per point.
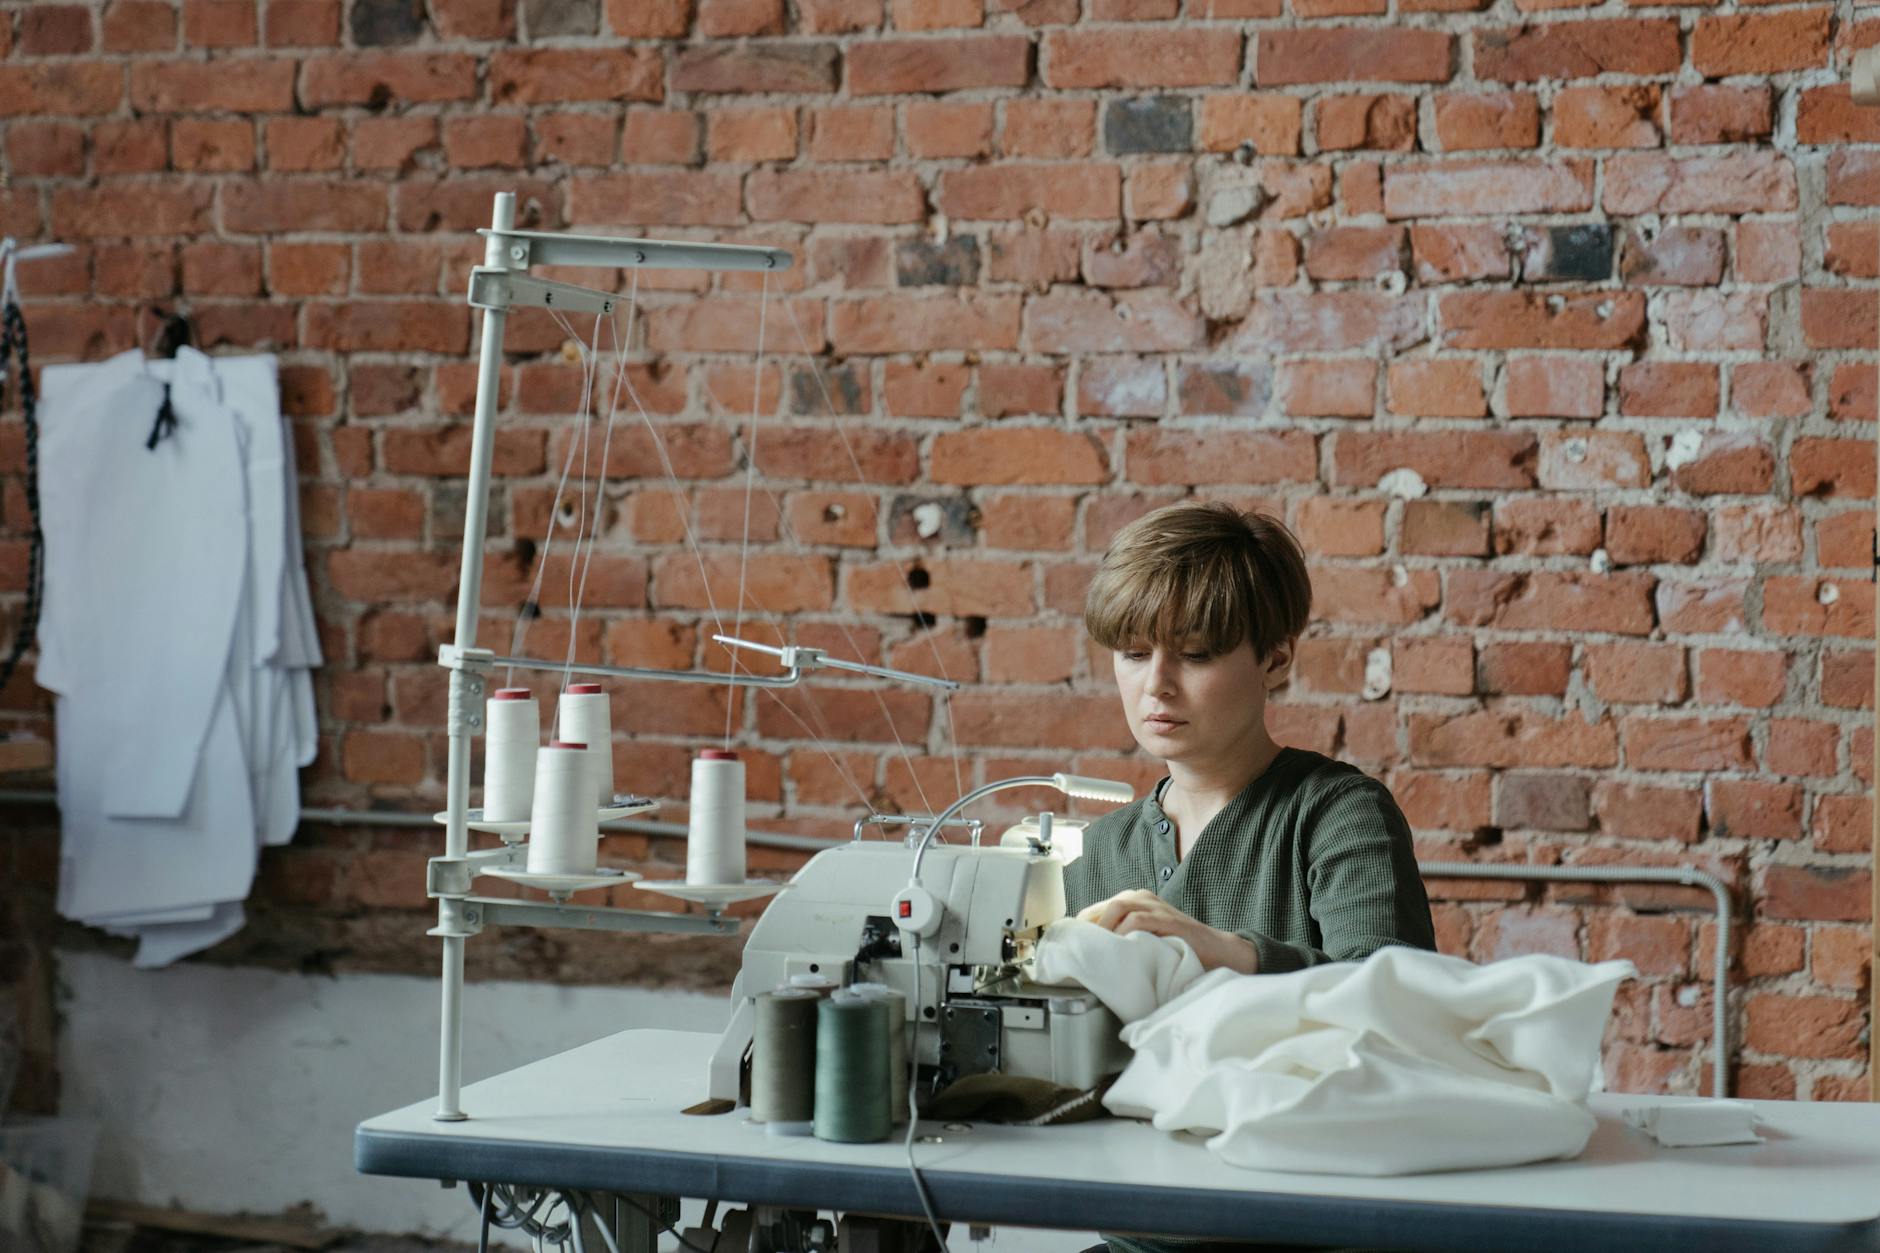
pixel 1312 862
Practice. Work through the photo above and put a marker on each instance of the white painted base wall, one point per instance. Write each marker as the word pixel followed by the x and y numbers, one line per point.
pixel 230 1090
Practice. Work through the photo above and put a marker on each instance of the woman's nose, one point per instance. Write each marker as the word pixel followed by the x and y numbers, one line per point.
pixel 1161 672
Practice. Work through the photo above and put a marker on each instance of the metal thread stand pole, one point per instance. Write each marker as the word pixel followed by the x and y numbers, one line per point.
pixel 462 682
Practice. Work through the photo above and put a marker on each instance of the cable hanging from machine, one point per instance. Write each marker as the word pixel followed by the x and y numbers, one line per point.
pixel 13 348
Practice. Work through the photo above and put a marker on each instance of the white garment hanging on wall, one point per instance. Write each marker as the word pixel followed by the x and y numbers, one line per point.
pixel 1404 1063
pixel 178 634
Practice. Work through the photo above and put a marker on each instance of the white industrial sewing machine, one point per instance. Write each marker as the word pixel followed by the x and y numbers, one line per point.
pixel 949 927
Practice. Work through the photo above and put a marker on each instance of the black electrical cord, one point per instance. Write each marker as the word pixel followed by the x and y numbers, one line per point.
pixel 13 346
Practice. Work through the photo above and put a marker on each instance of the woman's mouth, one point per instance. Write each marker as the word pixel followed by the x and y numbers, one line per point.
pixel 1162 722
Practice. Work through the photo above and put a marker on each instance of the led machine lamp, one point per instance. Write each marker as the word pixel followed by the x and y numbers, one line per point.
pixel 918 912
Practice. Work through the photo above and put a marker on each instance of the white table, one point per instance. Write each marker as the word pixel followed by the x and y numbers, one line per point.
pixel 606 1117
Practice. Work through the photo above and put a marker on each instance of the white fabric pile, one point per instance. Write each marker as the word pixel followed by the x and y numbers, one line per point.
pixel 1406 1062
pixel 177 631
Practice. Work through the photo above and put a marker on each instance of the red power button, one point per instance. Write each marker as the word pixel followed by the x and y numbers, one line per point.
pixel 906 908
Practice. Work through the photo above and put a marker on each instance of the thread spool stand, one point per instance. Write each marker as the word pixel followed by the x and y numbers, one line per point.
pixel 501 283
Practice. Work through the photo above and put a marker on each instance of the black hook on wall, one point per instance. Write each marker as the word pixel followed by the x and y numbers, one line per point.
pixel 174 334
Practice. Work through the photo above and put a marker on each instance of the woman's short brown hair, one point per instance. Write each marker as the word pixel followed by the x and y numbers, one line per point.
pixel 1200 574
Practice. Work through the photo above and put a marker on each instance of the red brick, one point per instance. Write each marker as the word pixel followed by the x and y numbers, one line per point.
pixel 945 129
pixel 939 14
pixel 472 143
pixel 1761 43
pixel 1271 124
pixel 552 75
pixel 1733 462
pixel 1556 387
pixel 1329 389
pixel 1831 469
pixel 1526 600
pixel 1340 54
pixel 55 30
pixel 305 144
pixel 1372 596
pixel 45 150
pixel 1748 182
pixel 1768 251
pixel 219 24
pixel 1007 455
pixel 802 195
pixel 1638 535
pixel 1460 253
pixel 1817 893
pixel 1025 720
pixel 390 143
pixel 1028 523
pixel 1607 117
pixel 1354 252
pixel 1125 387
pixel 1484 459
pixel 1444 528
pixel 1577 49
pixel 727 19
pixel 1702 608
pixel 851 134
pixel 1089 321
pixel 1853 249
pixel 1753 809
pixel 1634 811
pixel 1657 945
pixel 1675 389
pixel 1686 743
pixel 1687 256
pixel 61 88
pixel 904 66
pixel 1171 455
pixel 1804 1026
pixel 649 19
pixel 1633 673
pixel 750 134
pixel 379 79
pixel 789 586
pixel 1006 390
pixel 1478 120
pixel 576 139
pixel 1159 190
pixel 1008 192
pixel 1524 669
pixel 1800 746
pixel 1348 122
pixel 1710 114
pixel 1167 57
pixel 303 23
pixel 1845 540
pixel 1843 957
pixel 1498 319
pixel 1843 824
pixel 989 588
pixel 1764 534
pixel 935 324
pixel 1049 128
pixel 140 26
pixel 762 67
pixel 1505 738
pixel 1488 187
pixel 1828 115
pixel 1593 461
pixel 1030 654
pixel 217 269
pixel 1770 388
pixel 661 137
pixel 308 269
pixel 386 757
pixel 1340 528
pixel 1442 388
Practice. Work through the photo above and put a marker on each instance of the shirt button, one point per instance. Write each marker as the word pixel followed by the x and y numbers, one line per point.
pixel 1163 826
pixel 1167 873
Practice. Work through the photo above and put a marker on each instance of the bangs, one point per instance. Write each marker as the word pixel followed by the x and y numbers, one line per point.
pixel 1174 603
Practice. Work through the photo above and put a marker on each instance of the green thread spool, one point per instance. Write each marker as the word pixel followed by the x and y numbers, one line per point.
pixel 897 1045
pixel 783 1056
pixel 851 1069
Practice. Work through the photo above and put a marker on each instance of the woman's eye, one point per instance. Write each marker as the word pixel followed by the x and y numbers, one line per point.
pixel 1135 654
pixel 1196 657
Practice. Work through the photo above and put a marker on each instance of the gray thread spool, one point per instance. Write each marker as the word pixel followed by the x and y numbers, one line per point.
pixel 851 1069
pixel 783 1057
pixel 897 1044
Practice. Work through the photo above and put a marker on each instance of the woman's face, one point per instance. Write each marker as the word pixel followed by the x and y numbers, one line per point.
pixel 1187 706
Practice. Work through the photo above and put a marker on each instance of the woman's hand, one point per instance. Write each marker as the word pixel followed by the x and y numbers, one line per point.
pixel 1140 910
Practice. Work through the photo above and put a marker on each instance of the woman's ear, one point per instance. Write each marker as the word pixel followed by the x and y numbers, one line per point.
pixel 1279 664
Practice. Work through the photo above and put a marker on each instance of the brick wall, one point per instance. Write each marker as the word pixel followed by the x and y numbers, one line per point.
pixel 1545 325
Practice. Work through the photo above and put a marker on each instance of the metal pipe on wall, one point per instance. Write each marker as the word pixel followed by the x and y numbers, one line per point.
pixel 1685 876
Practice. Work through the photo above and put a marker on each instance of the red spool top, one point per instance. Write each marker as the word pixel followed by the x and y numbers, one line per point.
pixel 584 689
pixel 717 754
pixel 566 744
pixel 512 693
